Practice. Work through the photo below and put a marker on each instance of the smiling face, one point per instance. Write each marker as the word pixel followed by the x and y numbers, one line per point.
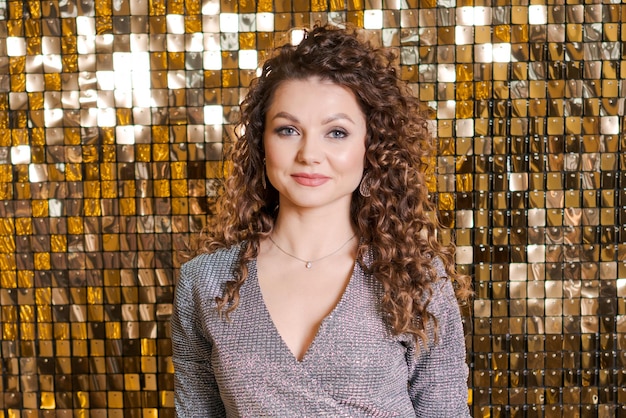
pixel 314 143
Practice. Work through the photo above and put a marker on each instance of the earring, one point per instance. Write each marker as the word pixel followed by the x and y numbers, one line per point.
pixel 364 187
pixel 263 181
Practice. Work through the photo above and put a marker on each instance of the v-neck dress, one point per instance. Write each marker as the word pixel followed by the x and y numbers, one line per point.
pixel 354 367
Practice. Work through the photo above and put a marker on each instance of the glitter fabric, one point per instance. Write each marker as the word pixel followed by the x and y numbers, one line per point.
pixel 353 368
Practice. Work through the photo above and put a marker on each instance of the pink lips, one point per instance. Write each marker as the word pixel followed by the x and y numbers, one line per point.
pixel 311 180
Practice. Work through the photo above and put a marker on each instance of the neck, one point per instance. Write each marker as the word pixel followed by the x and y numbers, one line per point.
pixel 309 226
pixel 311 237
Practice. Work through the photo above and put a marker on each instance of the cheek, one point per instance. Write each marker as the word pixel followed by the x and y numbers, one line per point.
pixel 272 158
pixel 276 162
pixel 352 162
pixel 271 153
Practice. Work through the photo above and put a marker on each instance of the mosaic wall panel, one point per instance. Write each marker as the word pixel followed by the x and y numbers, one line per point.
pixel 112 118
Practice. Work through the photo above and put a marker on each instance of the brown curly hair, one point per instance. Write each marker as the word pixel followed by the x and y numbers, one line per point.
pixel 395 223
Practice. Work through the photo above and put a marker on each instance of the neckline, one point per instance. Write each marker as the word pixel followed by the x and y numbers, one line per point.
pixel 310 351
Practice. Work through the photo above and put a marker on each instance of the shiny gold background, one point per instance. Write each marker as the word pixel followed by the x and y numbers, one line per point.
pixel 112 115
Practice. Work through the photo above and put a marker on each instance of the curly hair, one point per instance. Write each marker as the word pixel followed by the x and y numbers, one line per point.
pixel 396 223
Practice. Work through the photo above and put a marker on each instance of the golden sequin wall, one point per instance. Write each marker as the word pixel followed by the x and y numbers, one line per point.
pixel 112 118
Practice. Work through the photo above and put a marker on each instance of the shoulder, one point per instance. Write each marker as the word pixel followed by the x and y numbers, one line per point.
pixel 209 272
pixel 441 287
pixel 222 259
pixel 440 269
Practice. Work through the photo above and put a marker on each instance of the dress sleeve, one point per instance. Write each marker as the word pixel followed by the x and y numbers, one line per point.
pixel 196 391
pixel 438 374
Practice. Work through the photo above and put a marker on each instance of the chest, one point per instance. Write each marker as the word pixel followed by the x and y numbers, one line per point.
pixel 351 352
pixel 299 300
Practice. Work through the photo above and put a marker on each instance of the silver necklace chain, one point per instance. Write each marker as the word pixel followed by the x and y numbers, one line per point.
pixel 309 263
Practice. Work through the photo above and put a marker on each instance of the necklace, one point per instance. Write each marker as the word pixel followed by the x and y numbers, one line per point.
pixel 309 263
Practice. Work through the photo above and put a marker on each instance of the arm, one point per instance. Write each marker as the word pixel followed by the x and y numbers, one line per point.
pixel 438 375
pixel 196 391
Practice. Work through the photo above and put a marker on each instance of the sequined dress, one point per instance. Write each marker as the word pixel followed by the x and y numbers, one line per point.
pixel 353 368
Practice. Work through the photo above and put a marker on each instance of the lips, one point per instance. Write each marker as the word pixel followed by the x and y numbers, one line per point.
pixel 310 180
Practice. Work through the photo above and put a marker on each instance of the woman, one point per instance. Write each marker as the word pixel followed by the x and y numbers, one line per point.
pixel 321 289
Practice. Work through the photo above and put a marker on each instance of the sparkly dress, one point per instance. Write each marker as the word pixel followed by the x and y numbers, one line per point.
pixel 354 367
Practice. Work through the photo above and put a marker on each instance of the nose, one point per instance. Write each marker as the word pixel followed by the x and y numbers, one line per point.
pixel 310 151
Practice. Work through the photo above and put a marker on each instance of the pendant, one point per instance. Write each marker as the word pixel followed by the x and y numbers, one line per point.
pixel 308 264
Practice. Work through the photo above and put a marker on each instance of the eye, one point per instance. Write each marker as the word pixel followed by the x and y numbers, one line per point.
pixel 338 134
pixel 286 131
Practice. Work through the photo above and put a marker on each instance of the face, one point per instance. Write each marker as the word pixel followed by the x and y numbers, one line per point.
pixel 314 143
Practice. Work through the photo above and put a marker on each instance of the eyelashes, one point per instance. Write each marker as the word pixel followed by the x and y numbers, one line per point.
pixel 338 133
pixel 291 131
pixel 286 131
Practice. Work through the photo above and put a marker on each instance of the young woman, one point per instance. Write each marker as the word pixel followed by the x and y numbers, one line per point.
pixel 320 289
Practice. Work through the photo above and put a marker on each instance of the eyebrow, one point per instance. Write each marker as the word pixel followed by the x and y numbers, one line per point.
pixel 331 118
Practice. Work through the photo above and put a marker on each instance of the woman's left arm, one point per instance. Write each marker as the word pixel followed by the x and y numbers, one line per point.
pixel 438 374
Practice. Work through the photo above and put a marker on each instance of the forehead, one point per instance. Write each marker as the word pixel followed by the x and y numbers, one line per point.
pixel 298 93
